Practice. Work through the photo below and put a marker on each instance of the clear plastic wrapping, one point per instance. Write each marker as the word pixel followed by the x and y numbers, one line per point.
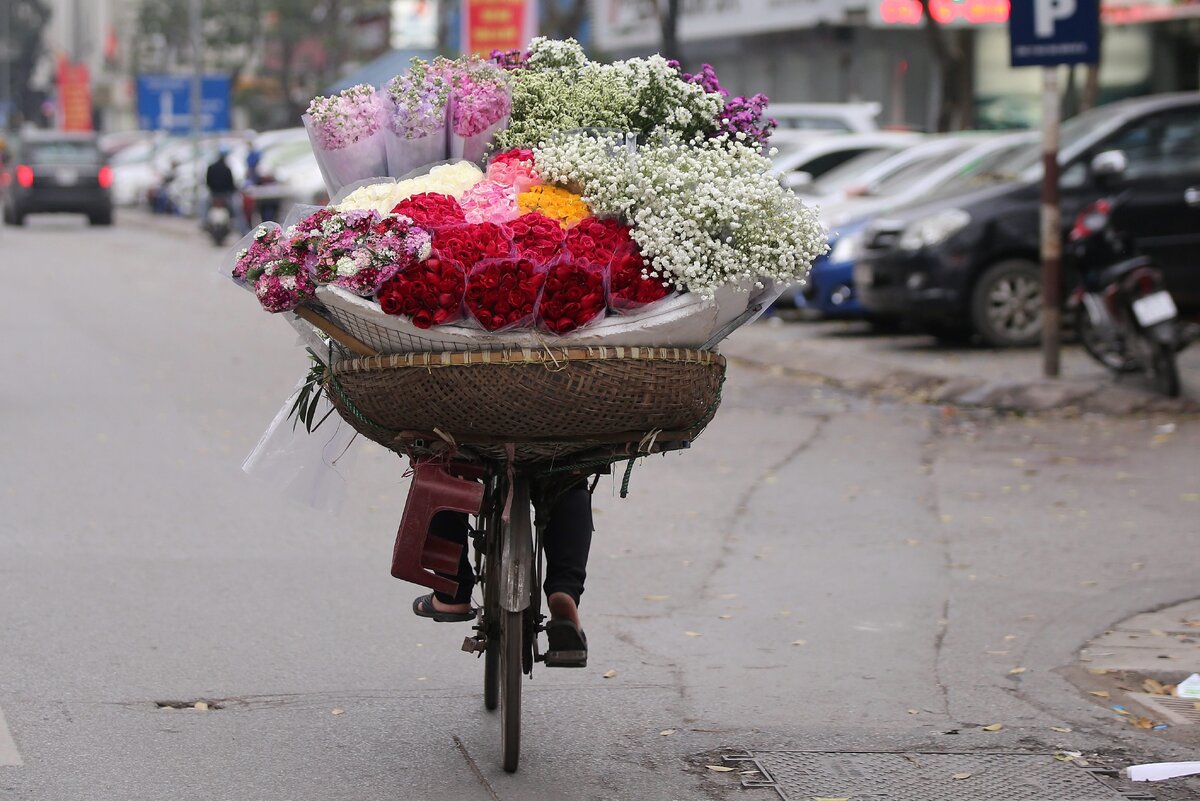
pixel 365 158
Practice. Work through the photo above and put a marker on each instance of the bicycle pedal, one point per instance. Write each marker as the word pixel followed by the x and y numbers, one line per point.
pixel 474 645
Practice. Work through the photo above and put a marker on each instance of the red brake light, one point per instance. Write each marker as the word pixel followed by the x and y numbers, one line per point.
pixel 104 177
pixel 25 175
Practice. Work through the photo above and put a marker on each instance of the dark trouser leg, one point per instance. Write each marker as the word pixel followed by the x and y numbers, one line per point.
pixel 567 540
pixel 453 526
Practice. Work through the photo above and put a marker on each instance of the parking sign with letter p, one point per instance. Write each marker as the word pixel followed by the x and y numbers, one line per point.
pixel 1049 32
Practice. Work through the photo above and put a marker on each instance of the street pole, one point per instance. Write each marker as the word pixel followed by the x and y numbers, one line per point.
pixel 6 56
pixel 195 99
pixel 1051 226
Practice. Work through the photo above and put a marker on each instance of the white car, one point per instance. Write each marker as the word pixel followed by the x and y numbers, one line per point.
pixel 944 165
pixel 799 164
pixel 826 117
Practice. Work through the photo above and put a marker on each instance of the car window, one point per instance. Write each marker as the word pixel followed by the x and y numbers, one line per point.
pixel 846 174
pixel 985 170
pixel 62 152
pixel 903 177
pixel 1161 145
pixel 814 124
pixel 820 165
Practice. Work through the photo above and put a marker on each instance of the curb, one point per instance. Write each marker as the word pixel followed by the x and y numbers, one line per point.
pixel 1020 397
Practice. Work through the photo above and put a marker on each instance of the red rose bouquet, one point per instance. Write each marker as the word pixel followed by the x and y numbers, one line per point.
pixel 595 241
pixel 630 285
pixel 573 296
pixel 429 293
pixel 536 237
pixel 467 245
pixel 502 293
pixel 431 210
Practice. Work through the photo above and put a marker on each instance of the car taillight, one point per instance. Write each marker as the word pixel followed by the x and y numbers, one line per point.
pixel 104 177
pixel 25 175
pixel 1092 219
pixel 1146 283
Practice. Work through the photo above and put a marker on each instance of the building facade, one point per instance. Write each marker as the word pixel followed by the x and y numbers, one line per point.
pixel 879 50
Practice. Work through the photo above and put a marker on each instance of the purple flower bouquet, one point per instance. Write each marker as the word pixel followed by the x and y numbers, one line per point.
pixel 346 132
pixel 415 114
pixel 480 104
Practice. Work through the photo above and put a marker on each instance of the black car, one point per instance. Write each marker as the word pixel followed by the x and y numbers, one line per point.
pixel 972 261
pixel 54 171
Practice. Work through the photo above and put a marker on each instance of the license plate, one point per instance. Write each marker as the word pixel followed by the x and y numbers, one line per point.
pixel 67 177
pixel 1154 309
pixel 863 275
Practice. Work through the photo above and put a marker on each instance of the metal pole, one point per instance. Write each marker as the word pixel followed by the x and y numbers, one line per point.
pixel 1051 226
pixel 6 55
pixel 194 102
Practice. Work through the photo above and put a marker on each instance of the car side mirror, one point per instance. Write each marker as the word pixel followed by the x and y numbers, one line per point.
pixel 1109 164
pixel 798 180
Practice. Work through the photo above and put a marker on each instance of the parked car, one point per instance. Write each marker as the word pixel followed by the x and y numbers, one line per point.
pixel 826 117
pixel 54 171
pixel 798 167
pixel 970 262
pixel 934 166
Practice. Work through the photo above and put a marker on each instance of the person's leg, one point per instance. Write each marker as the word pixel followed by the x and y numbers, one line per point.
pixel 453 526
pixel 567 541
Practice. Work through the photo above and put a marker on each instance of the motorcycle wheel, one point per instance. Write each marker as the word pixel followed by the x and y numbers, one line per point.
pixel 1163 370
pixel 1097 348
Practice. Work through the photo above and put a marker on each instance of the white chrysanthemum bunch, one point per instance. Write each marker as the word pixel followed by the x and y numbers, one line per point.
pixel 560 90
pixel 445 179
pixel 706 213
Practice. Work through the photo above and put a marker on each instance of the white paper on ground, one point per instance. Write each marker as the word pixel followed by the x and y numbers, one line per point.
pixel 1158 771
pixel 313 469
pixel 1189 687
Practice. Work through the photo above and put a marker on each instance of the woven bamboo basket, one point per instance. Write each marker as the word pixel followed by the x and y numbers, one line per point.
pixel 546 405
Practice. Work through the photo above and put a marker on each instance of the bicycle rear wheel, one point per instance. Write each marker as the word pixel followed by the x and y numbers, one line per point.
pixel 511 646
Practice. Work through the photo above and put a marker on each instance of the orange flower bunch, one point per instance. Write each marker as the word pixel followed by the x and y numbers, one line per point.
pixel 567 208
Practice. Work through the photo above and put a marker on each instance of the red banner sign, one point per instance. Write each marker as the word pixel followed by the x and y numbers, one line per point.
pixel 74 96
pixel 497 25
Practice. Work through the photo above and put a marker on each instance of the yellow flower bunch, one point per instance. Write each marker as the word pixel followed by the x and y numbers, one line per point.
pixel 556 203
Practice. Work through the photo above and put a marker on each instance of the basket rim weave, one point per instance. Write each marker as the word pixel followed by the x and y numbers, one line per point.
pixel 547 356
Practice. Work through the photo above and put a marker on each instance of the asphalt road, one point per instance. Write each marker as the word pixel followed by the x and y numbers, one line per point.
pixel 819 572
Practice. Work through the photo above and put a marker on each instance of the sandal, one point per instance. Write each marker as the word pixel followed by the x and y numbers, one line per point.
pixel 423 607
pixel 568 645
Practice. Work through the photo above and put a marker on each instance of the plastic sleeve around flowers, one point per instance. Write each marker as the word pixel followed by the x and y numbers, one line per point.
pixel 366 158
pixel 312 469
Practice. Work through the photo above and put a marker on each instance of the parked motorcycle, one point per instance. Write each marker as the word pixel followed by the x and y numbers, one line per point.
pixel 1124 316
pixel 218 220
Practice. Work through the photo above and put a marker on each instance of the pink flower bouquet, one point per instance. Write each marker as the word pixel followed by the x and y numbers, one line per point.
pixel 480 104
pixel 346 132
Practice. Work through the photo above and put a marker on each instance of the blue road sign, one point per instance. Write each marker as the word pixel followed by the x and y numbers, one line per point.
pixel 1048 32
pixel 164 103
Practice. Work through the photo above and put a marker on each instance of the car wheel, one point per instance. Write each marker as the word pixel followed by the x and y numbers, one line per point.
pixel 1006 304
pixel 12 216
pixel 101 218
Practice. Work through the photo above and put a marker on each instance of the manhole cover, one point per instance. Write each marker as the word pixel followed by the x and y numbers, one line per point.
pixel 806 775
pixel 1180 711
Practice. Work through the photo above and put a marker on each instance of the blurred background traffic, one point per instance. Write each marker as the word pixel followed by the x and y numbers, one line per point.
pixel 901 119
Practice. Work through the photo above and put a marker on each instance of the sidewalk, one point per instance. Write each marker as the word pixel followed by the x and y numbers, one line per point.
pixel 917 368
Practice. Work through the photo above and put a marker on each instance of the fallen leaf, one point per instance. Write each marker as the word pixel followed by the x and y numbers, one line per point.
pixel 1143 723
pixel 1190 496
pixel 1100 693
pixel 719 768
pixel 993 727
pixel 729 596
pixel 656 597
pixel 1192 624
pixel 799 642
pixel 1010 637
pixel 961 776
pixel 1017 671
pixel 726 617
pixel 1060 729
pixel 693 634
pixel 1067 756
pixel 666 732
pixel 1155 687
pixel 203 707
pixel 1097 671
pixel 914 711
pixel 947 518
pixel 338 712
pixel 1158 632
pixel 610 674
